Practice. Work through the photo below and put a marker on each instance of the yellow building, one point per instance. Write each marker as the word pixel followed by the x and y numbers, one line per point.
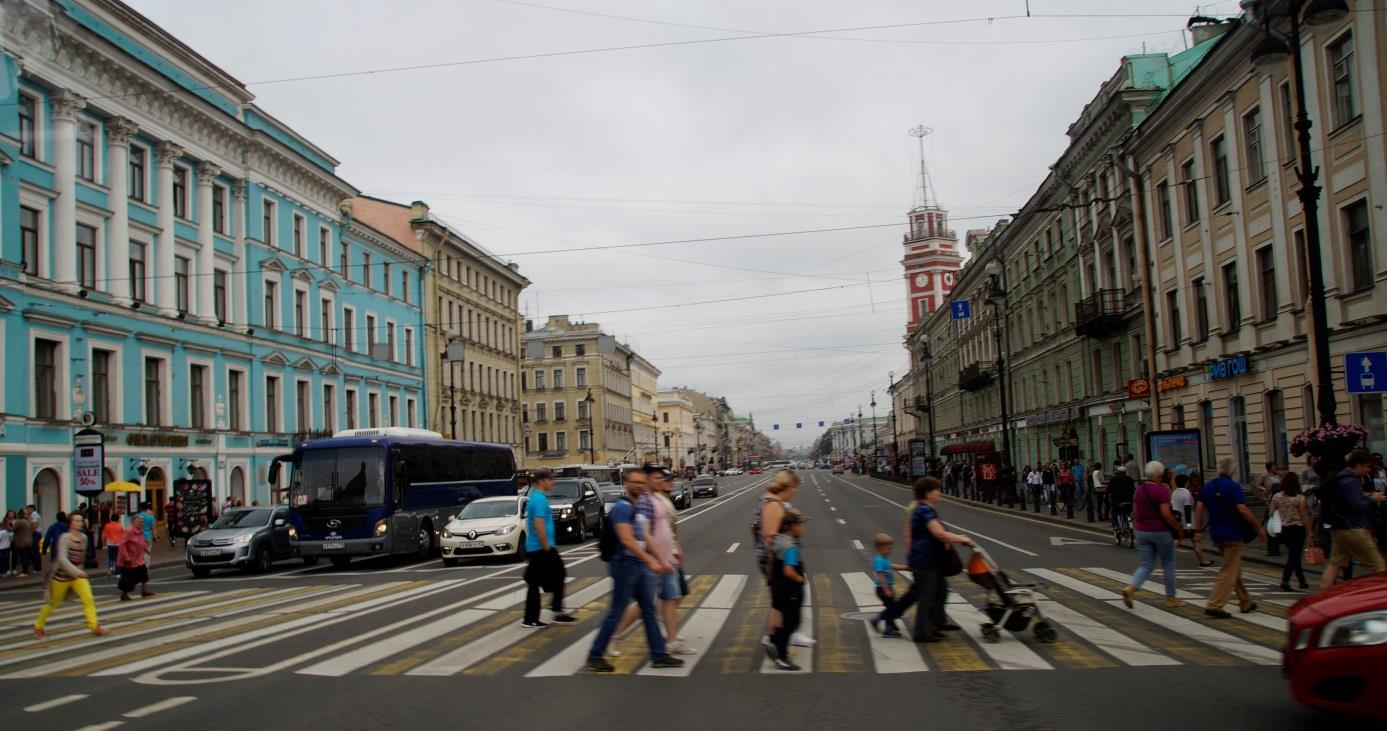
pixel 470 298
pixel 644 389
pixel 678 430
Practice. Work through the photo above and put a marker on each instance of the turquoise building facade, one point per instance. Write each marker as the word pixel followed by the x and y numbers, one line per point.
pixel 178 270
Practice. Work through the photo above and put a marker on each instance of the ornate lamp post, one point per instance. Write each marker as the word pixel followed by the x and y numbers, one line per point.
pixel 592 433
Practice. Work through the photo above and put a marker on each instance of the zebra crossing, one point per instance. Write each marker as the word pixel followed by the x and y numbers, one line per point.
pixel 425 628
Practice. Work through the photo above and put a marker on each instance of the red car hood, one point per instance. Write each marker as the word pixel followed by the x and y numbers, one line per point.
pixel 1360 595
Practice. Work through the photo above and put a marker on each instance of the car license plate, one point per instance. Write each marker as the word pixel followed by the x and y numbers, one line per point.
pixel 471 544
pixel 209 552
pixel 334 546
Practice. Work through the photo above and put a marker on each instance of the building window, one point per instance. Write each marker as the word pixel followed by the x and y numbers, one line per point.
pixel 324 236
pixel 1206 427
pixel 302 411
pixel 404 285
pixel 138 257
pixel 1118 380
pixel 1266 270
pixel 86 151
pixel 46 379
pixel 583 412
pixel 137 173
pixel 561 441
pixel 366 268
pixel 394 410
pixel 218 209
pixel 1163 197
pixel 28 125
pixel 584 440
pixel 267 221
pixel 665 416
pixel 345 261
pixel 580 349
pixel 1252 138
pixel 325 319
pixel 371 335
pixel 29 240
pixel 541 412
pixel 580 377
pixel 1345 96
pixel 1191 185
pixel 557 351
pixel 197 396
pixel 180 192
pixel 1201 309
pixel 351 408
pixel 153 391
pixel 1278 447
pixel 390 342
pixel 180 282
pixel 271 404
pixel 1360 245
pixel 385 274
pixel 329 407
pixel 559 410
pixel 558 378
pixel 1172 308
pixel 543 442
pixel 411 408
pixel 298 236
pixel 1233 307
pixel 1371 417
pixel 1177 416
pixel 301 313
pixel 349 329
pixel 409 346
pixel 539 380
pixel 271 297
pixel 1218 150
pixel 86 256
pixel 219 294
pixel 233 406
pixel 101 386
pixel 1238 438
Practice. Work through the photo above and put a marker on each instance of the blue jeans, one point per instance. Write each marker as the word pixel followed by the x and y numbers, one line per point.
pixel 631 580
pixel 1149 544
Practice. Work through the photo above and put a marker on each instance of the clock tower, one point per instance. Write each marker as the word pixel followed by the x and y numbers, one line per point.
pixel 932 259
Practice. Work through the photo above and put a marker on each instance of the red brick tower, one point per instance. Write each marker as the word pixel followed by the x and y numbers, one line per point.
pixel 932 258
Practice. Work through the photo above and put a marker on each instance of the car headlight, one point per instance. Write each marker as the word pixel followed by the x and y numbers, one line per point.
pixel 505 531
pixel 244 538
pixel 1356 630
pixel 447 534
pixel 1302 638
pixel 382 526
pixel 293 533
pixel 566 513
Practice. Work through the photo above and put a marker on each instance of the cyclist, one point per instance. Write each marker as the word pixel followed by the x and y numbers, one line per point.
pixel 1121 490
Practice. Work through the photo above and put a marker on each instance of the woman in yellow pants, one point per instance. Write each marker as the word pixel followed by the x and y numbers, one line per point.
pixel 68 575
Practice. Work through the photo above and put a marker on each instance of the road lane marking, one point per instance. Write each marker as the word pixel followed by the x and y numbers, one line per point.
pixel 1110 641
pixel 834 509
pixel 889 656
pixel 858 545
pixel 732 548
pixel 59 701
pixel 638 656
pixel 163 705
pixel 1009 653
pixel 103 726
pixel 1235 646
pixel 842 522
pixel 1083 587
pixel 1126 579
pixel 801 656
pixel 337 666
pixel 725 594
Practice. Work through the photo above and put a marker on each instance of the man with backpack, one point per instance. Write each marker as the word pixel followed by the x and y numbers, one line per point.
pixel 633 570
pixel 545 571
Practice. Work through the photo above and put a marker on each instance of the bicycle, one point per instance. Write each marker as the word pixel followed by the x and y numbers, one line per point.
pixel 1122 526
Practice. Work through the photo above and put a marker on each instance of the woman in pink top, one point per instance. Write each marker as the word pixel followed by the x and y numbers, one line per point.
pixel 131 559
pixel 1153 523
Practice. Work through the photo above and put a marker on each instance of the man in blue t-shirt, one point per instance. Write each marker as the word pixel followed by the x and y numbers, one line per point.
pixel 147 510
pixel 545 571
pixel 1222 500
pixel 1078 471
pixel 632 569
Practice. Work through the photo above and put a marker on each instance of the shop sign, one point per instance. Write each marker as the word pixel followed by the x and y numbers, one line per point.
pixel 1065 441
pixel 1173 382
pixel 1227 368
pixel 89 457
pixel 1049 417
pixel 1138 388
pixel 272 443
pixel 156 440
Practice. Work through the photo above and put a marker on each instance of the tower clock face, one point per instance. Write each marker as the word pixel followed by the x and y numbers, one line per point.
pixel 921 280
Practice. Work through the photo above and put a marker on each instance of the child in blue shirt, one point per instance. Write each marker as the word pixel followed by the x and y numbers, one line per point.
pixel 787 586
pixel 884 575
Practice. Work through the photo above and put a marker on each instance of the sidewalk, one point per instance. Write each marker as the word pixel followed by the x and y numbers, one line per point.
pixel 1255 553
pixel 163 556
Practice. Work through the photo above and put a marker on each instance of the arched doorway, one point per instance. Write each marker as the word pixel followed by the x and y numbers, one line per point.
pixel 156 491
pixel 48 494
pixel 238 486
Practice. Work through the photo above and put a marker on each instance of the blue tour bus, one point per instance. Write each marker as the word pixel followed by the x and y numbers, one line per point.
pixel 368 492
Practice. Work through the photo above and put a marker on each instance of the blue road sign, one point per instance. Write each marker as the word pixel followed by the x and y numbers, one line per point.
pixel 1366 372
pixel 775 427
pixel 961 309
pixel 821 423
pixel 799 425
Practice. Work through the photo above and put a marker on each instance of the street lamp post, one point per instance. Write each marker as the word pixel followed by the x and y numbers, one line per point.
pixel 592 435
pixel 925 358
pixel 1272 52
pixel 453 354
pixel 875 449
pixel 861 440
pixel 895 438
pixel 996 296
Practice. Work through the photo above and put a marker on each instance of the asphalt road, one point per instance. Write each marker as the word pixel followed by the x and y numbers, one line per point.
pixel 386 644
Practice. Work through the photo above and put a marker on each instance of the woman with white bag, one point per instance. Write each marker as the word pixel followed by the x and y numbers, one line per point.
pixel 1290 518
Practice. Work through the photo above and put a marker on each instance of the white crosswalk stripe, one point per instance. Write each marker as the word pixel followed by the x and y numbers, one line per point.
pixel 1119 646
pixel 704 624
pixel 803 656
pixel 889 655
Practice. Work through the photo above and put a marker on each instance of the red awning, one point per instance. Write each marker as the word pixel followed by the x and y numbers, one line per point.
pixel 969 448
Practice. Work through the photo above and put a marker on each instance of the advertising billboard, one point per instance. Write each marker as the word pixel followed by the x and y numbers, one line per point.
pixel 1177 449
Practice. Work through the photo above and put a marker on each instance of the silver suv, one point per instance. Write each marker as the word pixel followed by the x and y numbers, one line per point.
pixel 249 538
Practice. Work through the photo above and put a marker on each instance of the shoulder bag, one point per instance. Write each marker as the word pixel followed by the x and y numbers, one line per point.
pixel 1246 531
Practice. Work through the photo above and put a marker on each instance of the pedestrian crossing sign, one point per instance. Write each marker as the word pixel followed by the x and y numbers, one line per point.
pixel 799 425
pixel 775 427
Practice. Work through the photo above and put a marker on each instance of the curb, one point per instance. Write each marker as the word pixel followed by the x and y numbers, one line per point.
pixel 32 581
pixel 1085 526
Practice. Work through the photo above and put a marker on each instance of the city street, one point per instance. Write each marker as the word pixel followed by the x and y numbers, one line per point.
pixel 396 644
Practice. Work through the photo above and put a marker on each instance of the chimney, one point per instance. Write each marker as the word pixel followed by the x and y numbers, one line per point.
pixel 419 211
pixel 1203 31
pixel 529 325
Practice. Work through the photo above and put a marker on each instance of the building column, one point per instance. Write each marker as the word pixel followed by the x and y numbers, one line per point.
pixel 118 133
pixel 238 284
pixel 165 153
pixel 206 254
pixel 66 105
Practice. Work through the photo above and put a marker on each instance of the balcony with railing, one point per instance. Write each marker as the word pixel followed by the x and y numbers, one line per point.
pixel 976 376
pixel 1101 313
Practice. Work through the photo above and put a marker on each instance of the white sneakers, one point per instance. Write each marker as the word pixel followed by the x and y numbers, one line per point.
pixel 799 639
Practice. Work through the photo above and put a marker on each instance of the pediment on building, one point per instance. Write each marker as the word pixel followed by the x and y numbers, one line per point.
pixel 306 364
pixel 276 358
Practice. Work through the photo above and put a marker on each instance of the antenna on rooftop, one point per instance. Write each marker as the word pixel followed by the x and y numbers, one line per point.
pixel 926 191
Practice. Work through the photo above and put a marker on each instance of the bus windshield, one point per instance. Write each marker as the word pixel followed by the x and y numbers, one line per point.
pixel 339 478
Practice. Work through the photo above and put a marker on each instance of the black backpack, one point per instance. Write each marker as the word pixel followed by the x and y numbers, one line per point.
pixel 607 542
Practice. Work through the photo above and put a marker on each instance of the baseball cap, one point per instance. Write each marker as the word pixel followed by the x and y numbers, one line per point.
pixel 544 473
pixel 665 473
pixel 792 517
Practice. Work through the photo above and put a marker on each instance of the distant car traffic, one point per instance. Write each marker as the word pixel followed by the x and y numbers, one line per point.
pixel 837 469
pixel 755 471
pixel 1336 648
pixel 578 509
pixel 490 526
pixel 705 485
pixel 248 538
pixel 681 495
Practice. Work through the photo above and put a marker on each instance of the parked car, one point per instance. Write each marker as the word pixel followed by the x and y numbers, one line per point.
pixel 242 538
pixel 578 509
pixel 837 469
pixel 705 485
pixel 681 495
pixel 489 526
pixel 1336 648
pixel 609 492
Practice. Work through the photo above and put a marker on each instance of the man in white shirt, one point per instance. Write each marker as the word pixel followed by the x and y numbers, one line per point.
pixel 1100 490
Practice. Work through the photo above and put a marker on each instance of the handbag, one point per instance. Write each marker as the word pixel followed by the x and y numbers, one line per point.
pixel 1274 523
pixel 953 564
pixel 1314 556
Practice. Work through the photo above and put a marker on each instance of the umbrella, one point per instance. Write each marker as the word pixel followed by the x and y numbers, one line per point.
pixel 122 486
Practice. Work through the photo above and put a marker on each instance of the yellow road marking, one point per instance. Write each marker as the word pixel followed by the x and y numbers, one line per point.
pixel 834 652
pixel 527 650
pixel 635 652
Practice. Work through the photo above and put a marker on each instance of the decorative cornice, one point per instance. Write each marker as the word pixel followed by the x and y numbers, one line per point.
pixel 119 130
pixel 66 105
pixel 207 172
pixel 165 153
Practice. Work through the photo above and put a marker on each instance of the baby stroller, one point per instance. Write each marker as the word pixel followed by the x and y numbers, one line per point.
pixel 1014 607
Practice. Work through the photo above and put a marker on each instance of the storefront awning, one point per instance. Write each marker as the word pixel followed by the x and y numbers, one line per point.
pixel 969 448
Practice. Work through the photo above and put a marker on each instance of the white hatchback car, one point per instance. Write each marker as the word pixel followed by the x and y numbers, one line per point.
pixel 489 526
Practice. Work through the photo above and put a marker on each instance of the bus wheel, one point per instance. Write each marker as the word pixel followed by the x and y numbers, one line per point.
pixel 340 561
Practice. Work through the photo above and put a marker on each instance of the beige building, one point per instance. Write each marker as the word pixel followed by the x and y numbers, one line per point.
pixel 470 297
pixel 679 430
pixel 575 387
pixel 644 394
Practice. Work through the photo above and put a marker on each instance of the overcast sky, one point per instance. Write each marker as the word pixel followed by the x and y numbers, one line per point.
pixel 702 137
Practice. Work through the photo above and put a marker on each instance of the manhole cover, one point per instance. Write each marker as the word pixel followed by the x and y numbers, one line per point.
pixel 859 616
